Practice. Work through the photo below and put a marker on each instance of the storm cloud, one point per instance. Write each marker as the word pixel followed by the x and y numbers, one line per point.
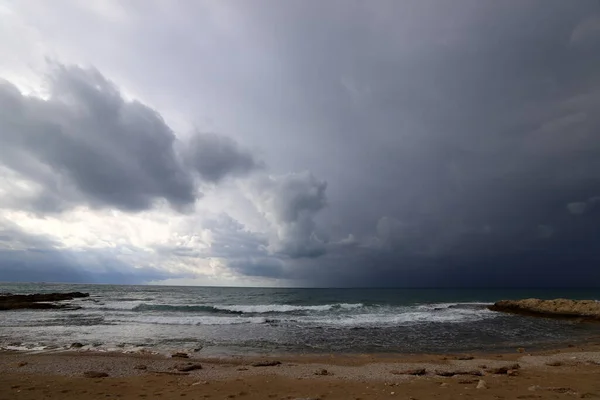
pixel 413 143
pixel 86 144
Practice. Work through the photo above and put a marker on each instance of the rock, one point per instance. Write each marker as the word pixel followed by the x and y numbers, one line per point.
pixel 481 384
pixel 459 372
pixel 197 349
pixel 534 388
pixel 266 363
pixel 444 384
pixel 502 370
pixel 95 374
pixel 76 345
pixel 322 372
pixel 414 371
pixel 22 364
pixel 554 363
pixel 188 367
pixel 170 373
pixel 558 308
pixel 180 355
pixel 242 369
pixel 464 358
pixel 521 350
pixel 588 395
pixel 467 381
pixel 38 301
pixel 512 372
pixel 140 367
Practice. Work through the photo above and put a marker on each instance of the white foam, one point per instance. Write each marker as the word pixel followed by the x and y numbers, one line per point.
pixel 192 320
pixel 402 316
pixel 282 308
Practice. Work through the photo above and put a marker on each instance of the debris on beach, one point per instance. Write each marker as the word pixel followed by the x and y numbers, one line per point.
pixel 95 374
pixel 413 371
pixel 188 367
pixel 266 363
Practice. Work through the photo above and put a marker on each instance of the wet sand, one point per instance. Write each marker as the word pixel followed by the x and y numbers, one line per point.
pixel 572 372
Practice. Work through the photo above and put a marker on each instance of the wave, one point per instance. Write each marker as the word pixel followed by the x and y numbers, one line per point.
pixel 167 307
pixel 245 309
pixel 367 317
pixel 193 320
pixel 284 308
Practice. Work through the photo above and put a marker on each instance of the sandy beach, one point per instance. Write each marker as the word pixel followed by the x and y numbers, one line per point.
pixel 571 372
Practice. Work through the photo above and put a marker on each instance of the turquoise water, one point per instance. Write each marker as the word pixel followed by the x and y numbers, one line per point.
pixel 242 320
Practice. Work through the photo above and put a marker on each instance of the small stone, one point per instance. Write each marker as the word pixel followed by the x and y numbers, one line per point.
pixel 140 366
pixel 22 364
pixel 521 350
pixel 414 371
pixel 534 388
pixel 266 363
pixel 322 372
pixel 502 370
pixel 512 372
pixel 188 367
pixel 180 355
pixel 392 393
pixel 554 363
pixel 197 349
pixel 465 357
pixel 481 384
pixel 76 345
pixel 95 374
pixel 444 384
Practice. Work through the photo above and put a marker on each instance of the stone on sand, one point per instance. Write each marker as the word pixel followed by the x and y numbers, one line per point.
pixel 266 363
pixel 412 371
pixel 95 374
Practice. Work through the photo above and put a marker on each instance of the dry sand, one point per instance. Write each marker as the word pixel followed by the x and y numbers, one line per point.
pixel 553 374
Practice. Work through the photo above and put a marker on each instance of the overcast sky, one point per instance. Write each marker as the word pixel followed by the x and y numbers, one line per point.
pixel 300 143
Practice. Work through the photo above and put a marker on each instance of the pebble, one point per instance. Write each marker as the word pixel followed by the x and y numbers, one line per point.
pixel 481 384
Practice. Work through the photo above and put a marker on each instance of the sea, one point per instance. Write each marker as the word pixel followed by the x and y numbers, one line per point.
pixel 226 321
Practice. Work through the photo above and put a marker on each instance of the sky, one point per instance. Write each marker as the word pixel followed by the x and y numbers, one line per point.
pixel 412 143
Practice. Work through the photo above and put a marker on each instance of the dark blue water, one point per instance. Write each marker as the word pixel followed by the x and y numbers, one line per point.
pixel 242 320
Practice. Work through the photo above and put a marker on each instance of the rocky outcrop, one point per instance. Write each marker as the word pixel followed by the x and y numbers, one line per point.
pixel 38 301
pixel 558 308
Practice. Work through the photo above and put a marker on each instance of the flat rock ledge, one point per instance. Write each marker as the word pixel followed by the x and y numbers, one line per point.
pixel 558 308
pixel 38 301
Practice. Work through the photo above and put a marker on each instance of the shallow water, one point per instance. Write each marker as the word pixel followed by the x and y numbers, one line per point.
pixel 251 320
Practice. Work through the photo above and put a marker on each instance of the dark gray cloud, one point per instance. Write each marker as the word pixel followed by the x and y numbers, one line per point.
pixel 215 156
pixel 290 203
pixel 86 144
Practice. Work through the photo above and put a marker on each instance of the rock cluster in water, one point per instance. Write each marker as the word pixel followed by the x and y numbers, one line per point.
pixel 38 301
pixel 557 308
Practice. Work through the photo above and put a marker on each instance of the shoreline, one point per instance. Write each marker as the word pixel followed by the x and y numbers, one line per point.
pixel 568 371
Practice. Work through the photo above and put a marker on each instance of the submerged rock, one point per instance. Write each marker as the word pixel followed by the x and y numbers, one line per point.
pixel 558 308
